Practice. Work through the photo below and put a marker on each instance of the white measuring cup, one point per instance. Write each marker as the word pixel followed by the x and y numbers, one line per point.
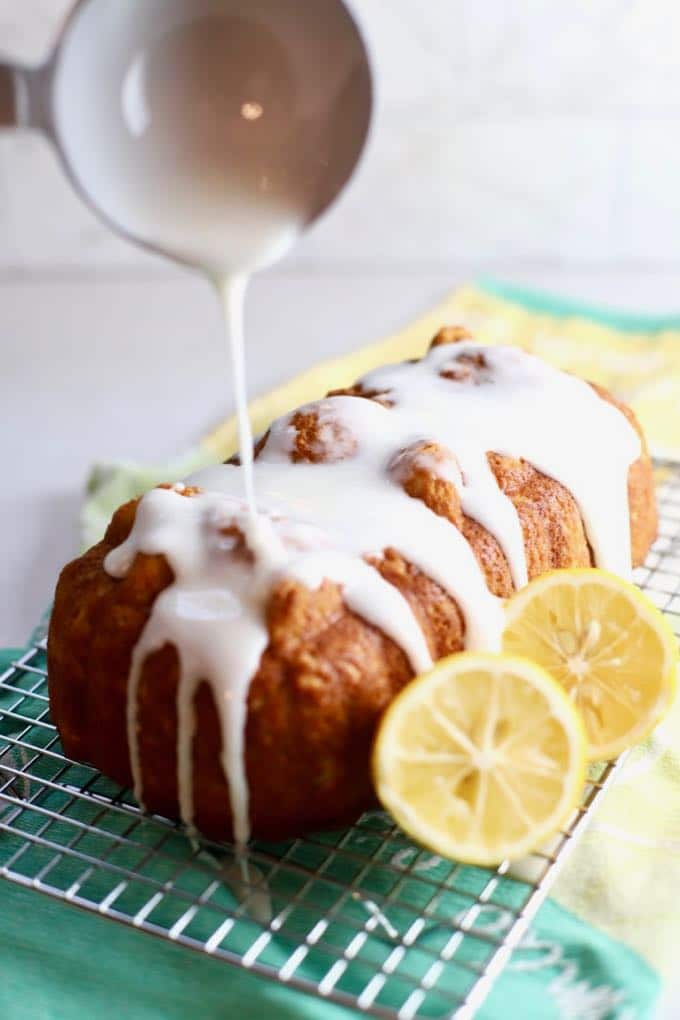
pixel 212 131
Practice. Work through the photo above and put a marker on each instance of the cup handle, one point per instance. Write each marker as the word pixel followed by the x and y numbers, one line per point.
pixel 21 93
pixel 9 98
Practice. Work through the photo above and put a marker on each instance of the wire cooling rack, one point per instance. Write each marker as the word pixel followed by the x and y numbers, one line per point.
pixel 362 917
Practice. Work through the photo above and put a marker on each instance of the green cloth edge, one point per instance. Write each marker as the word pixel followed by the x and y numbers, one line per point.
pixel 545 303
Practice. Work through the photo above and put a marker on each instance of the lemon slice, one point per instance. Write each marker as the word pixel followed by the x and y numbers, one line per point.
pixel 607 645
pixel 481 759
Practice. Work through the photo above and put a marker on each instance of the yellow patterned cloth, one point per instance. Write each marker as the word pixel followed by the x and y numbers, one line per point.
pixel 624 874
pixel 639 363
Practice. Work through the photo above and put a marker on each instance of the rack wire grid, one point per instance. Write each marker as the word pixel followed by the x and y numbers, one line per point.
pixel 362 917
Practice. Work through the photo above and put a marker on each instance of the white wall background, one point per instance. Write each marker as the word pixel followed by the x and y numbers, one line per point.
pixel 536 140
pixel 523 129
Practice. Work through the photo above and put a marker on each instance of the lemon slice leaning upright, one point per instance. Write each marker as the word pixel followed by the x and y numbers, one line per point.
pixel 607 645
pixel 480 759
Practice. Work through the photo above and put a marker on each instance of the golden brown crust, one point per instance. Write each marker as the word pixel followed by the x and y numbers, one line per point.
pixel 326 675
pixel 320 446
pixel 644 520
pixel 451 335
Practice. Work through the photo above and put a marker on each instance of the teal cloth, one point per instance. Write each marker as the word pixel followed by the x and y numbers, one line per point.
pixel 563 308
pixel 59 963
pixel 62 963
